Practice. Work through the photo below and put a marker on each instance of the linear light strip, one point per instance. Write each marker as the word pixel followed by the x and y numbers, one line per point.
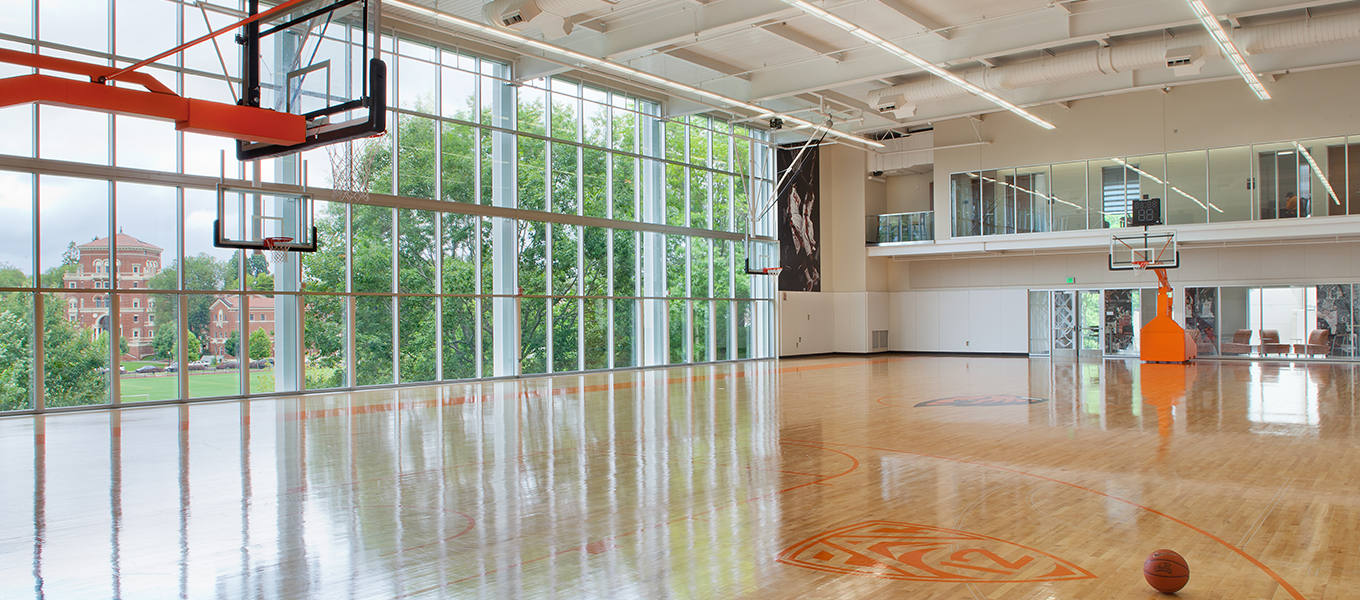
pixel 902 53
pixel 1226 45
pixel 761 111
pixel 1318 170
pixel 1173 188
pixel 1032 192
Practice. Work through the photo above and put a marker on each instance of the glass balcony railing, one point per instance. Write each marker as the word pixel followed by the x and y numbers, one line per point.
pixel 900 228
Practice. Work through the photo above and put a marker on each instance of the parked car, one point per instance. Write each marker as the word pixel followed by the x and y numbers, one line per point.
pixel 149 369
pixel 198 366
pixel 103 370
pixel 229 364
pixel 263 363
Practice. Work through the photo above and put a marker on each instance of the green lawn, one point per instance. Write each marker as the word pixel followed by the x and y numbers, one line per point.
pixel 165 386
pixel 133 365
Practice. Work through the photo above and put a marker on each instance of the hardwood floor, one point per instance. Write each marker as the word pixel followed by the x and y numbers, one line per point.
pixel 834 477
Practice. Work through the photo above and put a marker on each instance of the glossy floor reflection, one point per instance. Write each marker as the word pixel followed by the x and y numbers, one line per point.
pixel 837 477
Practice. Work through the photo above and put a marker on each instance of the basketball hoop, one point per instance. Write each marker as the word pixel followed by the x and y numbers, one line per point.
pixel 278 248
pixel 771 270
pixel 1141 265
pixel 353 164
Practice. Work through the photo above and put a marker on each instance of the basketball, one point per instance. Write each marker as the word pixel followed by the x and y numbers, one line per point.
pixel 1166 571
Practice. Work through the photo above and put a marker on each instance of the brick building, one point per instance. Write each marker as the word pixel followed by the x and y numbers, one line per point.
pixel 222 319
pixel 136 263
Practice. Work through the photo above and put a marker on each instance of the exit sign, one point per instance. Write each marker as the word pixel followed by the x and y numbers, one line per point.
pixel 1071 280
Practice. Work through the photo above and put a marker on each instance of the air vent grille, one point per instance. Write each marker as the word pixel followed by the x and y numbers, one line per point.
pixel 880 339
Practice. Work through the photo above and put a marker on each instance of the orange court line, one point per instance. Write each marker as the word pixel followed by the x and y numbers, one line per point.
pixel 1268 571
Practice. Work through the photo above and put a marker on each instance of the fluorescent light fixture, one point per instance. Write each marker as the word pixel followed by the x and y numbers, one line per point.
pixel 1030 192
pixel 586 59
pixel 1160 182
pixel 1229 50
pixel 902 53
pixel 1318 171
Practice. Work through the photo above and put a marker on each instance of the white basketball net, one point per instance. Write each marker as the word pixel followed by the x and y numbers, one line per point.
pixel 278 248
pixel 353 165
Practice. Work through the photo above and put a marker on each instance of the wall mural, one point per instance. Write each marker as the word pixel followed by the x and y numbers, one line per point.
pixel 800 222
pixel 1334 315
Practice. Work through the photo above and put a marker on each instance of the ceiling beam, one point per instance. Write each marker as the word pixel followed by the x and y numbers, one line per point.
pixel 685 24
pixel 916 16
pixel 706 62
pixel 802 39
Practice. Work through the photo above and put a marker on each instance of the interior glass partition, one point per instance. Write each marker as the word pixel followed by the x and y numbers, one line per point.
pixel 1187 188
pixel 1032 203
pixel 1288 179
pixel 1068 196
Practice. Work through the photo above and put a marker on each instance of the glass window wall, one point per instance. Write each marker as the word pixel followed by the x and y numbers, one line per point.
pixel 402 290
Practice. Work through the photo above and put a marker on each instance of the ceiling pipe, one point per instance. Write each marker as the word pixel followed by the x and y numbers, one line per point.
pixel 1122 58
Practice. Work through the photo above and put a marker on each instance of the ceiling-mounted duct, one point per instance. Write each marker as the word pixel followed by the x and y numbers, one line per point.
pixel 1185 61
pixel 1123 58
pixel 552 17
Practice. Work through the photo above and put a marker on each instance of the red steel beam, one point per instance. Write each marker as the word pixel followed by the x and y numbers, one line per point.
pixel 75 67
pixel 189 114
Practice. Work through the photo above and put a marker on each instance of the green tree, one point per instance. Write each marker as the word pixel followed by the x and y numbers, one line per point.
pixel 102 341
pixel 201 272
pixel 12 276
pixel 53 277
pixel 258 277
pixel 165 344
pixel 71 256
pixel 193 349
pixel 233 341
pixel 73 359
pixel 261 345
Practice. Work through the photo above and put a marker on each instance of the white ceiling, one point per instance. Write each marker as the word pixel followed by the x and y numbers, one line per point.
pixel 767 52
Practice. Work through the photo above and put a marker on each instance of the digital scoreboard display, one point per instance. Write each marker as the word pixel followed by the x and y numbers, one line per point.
pixel 1147 211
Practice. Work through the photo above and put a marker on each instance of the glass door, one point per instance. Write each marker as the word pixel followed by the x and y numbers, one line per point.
pixel 1089 323
pixel 1122 320
pixel 1065 324
pixel 1039 307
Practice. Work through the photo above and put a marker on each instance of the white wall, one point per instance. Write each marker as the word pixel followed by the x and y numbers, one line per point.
pixel 806 325
pixel 908 193
pixel 961 321
pixel 824 322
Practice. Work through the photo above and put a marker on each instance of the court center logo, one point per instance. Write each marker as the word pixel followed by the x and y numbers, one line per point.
pixel 988 400
pixel 912 552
